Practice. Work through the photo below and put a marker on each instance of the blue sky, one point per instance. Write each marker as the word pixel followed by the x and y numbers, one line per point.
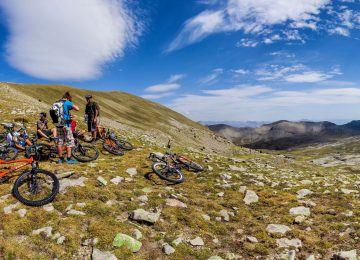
pixel 208 59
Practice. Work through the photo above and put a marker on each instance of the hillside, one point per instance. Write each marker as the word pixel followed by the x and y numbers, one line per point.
pixel 245 205
pixel 285 134
pixel 119 110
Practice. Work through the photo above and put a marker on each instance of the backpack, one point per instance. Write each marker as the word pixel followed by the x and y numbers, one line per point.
pixel 57 113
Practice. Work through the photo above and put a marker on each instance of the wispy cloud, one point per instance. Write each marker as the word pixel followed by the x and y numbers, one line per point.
pixel 267 20
pixel 212 77
pixel 176 77
pixel 261 102
pixel 164 89
pixel 67 40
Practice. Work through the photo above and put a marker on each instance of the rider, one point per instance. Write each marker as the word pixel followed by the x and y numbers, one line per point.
pixel 42 127
pixel 92 112
pixel 64 131
pixel 13 138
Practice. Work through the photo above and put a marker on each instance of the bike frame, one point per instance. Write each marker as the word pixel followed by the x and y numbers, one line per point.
pixel 24 162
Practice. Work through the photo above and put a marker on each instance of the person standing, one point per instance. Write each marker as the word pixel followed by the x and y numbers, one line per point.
pixel 65 135
pixel 92 112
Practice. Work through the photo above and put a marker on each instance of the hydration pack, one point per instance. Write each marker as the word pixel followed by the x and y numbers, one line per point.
pixel 57 113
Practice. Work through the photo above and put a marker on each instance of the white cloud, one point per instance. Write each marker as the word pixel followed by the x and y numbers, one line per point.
pixel 308 77
pixel 339 30
pixel 67 40
pixel 252 17
pixel 163 87
pixel 247 43
pixel 211 78
pixel 240 72
pixel 176 77
pixel 158 95
pixel 264 103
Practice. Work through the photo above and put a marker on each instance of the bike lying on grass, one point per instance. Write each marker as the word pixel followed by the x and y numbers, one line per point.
pixel 8 153
pixel 43 152
pixel 182 160
pixel 35 187
pixel 114 145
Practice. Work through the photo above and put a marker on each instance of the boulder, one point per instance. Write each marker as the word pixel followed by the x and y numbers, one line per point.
pixel 250 197
pixel 143 215
pixel 123 240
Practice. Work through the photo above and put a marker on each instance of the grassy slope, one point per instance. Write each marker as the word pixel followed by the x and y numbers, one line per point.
pixel 275 179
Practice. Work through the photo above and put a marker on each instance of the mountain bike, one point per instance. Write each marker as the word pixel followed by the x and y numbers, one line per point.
pixel 3 137
pixel 35 187
pixel 8 153
pixel 43 152
pixel 167 167
pixel 182 160
pixel 111 145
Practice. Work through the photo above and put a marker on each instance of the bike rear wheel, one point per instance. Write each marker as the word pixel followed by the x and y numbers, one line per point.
pixel 8 154
pixel 85 153
pixel 36 187
pixel 165 172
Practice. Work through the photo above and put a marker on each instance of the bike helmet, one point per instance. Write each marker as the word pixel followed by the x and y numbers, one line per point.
pixel 42 114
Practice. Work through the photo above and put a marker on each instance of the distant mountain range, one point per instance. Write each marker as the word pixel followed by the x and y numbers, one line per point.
pixel 235 123
pixel 286 134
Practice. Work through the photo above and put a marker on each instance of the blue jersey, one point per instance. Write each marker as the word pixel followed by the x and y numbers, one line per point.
pixel 68 105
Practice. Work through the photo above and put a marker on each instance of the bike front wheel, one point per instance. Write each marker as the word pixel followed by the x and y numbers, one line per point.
pixel 112 147
pixel 165 172
pixel 125 145
pixel 85 153
pixel 8 154
pixel 36 187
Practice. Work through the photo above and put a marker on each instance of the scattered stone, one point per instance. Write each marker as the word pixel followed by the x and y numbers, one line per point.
pixel 143 215
pixel 147 189
pixel 225 176
pixel 60 240
pixel 206 217
pixel 286 243
pixel 242 189
pixel 331 212
pixel 300 211
pixel 303 193
pixel 220 194
pixel 116 180
pixel 63 174
pixel 346 255
pixel 80 204
pixel 121 240
pixel 92 165
pixel 252 239
pixel 348 213
pixel 45 232
pixel 225 215
pixel 75 212
pixel 102 181
pixel 347 191
pixel 175 203
pixel 4 197
pixel 197 241
pixel 65 183
pixel 215 257
pixel 22 212
pixel 235 168
pixel 210 168
pixel 306 182
pixel 167 249
pixel 288 255
pixel 310 257
pixel 277 228
pixel 9 209
pixel 177 241
pixel 137 233
pixel 48 207
pixel 131 171
pixel 251 197
pixel 100 255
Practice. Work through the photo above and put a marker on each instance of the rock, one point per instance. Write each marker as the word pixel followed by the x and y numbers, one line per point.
pixel 45 231
pixel 177 241
pixel 99 255
pixel 175 203
pixel 242 189
pixel 299 219
pixel 304 192
pixel 4 197
pixel 131 171
pixel 277 228
pixel 252 239
pixel 348 213
pixel 63 174
pixel 143 198
pixel 220 194
pixel 235 168
pixel 116 180
pixel 102 181
pixel 92 165
pixel 143 215
pixel 65 183
pixel 346 255
pixel 286 243
pixel 22 212
pixel 215 257
pixel 225 215
pixel 8 209
pixel 197 241
pixel 300 211
pixel 206 217
pixel 80 204
pixel 346 191
pixel 121 240
pixel 89 242
pixel 310 257
pixel 210 168
pixel 288 255
pixel 167 249
pixel 137 233
pixel 48 207
pixel 225 176
pixel 75 212
pixel 60 240
pixel 251 197
pixel 306 182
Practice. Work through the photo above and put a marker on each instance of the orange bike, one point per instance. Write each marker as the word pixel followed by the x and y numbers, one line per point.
pixel 35 187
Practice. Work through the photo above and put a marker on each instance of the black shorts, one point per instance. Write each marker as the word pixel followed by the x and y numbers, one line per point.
pixel 47 132
pixel 92 125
